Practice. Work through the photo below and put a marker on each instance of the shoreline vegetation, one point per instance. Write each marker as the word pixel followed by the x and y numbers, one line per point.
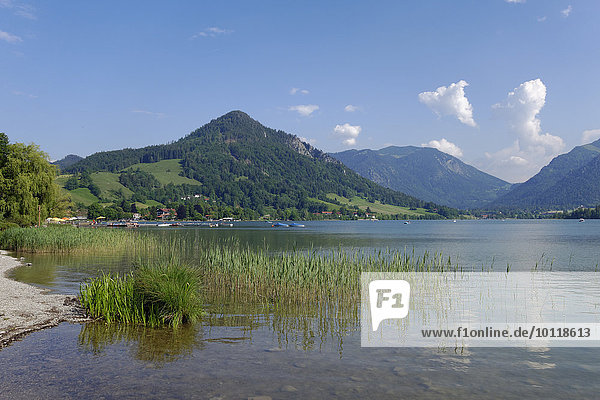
pixel 171 279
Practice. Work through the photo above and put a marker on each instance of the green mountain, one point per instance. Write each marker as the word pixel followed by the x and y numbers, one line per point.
pixel 568 181
pixel 426 173
pixel 238 162
pixel 67 161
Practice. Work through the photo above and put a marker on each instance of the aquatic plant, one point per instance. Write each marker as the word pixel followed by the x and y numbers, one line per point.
pixel 152 295
pixel 70 239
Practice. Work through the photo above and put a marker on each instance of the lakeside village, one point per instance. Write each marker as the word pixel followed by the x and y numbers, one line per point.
pixel 192 212
pixel 200 210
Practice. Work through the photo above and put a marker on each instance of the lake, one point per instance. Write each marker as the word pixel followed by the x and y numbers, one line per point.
pixel 246 350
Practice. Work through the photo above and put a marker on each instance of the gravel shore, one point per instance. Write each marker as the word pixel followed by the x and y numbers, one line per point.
pixel 25 308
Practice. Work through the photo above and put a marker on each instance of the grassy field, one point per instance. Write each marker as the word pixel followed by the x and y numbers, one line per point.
pixel 166 171
pixel 109 182
pixel 375 207
pixel 83 195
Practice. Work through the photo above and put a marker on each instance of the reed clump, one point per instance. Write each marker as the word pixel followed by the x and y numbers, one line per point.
pixel 151 295
pixel 70 239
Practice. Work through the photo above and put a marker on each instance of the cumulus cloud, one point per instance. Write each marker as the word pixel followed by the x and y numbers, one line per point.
pixel 590 135
pixel 521 110
pixel 7 37
pixel 293 91
pixel 304 109
pixel 567 11
pixel 348 132
pixel 450 100
pixel 531 150
pixel 350 108
pixel 445 146
pixel 212 31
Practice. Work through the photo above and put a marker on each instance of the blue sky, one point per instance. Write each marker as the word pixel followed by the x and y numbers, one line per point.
pixel 504 85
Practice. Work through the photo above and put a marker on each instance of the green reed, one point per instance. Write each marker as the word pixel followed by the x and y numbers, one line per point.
pixel 230 270
pixel 152 295
pixel 70 239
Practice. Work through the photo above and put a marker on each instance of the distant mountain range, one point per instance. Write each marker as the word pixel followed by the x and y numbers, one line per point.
pixel 239 162
pixel 568 181
pixel 426 173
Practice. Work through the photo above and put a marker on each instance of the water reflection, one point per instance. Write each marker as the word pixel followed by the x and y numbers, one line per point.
pixel 156 345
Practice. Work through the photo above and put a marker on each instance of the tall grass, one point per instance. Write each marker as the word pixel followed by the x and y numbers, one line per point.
pixel 233 271
pixel 152 295
pixel 69 239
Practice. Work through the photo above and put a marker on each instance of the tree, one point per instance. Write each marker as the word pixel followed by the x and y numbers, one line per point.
pixel 27 184
pixel 181 212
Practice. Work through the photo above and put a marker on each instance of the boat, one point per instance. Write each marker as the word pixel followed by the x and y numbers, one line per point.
pixel 279 224
pixel 454 221
pixel 163 225
pixel 230 225
pixel 581 220
pixel 295 225
pixel 406 222
pixel 216 225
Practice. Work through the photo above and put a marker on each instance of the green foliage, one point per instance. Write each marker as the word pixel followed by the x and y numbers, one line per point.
pixel 586 213
pixel 27 184
pixel 69 239
pixel 7 225
pixel 152 295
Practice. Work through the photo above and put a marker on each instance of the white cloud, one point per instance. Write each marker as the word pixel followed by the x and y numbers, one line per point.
pixel 445 146
pixel 151 113
pixel 20 9
pixel 567 11
pixel 542 19
pixel 212 31
pixel 348 132
pixel 23 94
pixel 590 135
pixel 351 108
pixel 531 150
pixel 515 1
pixel 521 110
pixel 450 100
pixel 304 109
pixel 7 37
pixel 293 91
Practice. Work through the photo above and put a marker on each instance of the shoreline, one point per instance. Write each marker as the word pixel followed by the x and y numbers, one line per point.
pixel 25 308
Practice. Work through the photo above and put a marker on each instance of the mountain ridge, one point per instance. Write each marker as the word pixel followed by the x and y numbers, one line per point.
pixel 560 184
pixel 245 164
pixel 426 173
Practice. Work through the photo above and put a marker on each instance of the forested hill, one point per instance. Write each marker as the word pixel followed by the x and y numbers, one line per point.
pixel 243 163
pixel 568 181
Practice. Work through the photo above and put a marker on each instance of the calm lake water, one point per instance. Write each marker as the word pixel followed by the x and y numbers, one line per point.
pixel 243 350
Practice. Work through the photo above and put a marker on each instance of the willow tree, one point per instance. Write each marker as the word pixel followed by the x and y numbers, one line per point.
pixel 27 187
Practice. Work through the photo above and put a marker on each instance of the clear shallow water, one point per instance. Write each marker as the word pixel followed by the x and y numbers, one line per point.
pixel 241 351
